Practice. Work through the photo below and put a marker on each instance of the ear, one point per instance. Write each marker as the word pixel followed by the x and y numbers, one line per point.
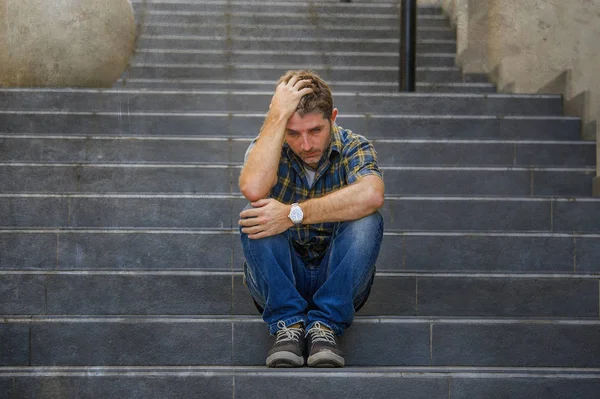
pixel 334 114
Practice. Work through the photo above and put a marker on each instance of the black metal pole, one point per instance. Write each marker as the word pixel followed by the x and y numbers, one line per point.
pixel 408 45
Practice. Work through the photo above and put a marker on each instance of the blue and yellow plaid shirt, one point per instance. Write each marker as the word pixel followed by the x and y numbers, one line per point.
pixel 350 157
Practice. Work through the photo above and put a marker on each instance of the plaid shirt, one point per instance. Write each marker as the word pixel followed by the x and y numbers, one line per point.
pixel 349 157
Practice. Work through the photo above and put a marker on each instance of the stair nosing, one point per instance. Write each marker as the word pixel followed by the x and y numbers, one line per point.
pixel 234 231
pixel 352 372
pixel 239 272
pixel 132 319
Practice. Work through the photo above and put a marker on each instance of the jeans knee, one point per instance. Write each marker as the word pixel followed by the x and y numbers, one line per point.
pixel 367 228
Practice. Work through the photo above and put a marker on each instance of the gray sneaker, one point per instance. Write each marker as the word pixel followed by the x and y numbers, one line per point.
pixel 323 349
pixel 288 349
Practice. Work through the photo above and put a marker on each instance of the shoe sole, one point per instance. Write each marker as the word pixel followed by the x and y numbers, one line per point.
pixel 325 359
pixel 285 359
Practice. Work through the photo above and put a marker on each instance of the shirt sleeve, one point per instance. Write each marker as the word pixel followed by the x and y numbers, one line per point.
pixel 360 159
pixel 250 147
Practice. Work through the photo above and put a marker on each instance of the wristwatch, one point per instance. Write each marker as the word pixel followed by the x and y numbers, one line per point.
pixel 296 215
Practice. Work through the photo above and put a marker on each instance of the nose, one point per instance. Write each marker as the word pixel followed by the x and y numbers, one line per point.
pixel 306 144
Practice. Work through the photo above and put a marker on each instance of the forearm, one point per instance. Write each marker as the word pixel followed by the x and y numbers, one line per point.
pixel 260 170
pixel 352 202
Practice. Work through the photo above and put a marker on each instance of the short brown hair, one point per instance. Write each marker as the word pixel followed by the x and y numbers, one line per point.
pixel 319 100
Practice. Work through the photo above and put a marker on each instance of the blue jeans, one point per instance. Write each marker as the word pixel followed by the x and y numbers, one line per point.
pixel 288 290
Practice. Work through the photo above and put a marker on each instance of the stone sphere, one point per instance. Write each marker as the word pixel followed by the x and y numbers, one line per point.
pixel 65 43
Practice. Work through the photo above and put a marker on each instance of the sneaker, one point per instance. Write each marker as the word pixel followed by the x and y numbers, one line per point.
pixel 323 349
pixel 288 349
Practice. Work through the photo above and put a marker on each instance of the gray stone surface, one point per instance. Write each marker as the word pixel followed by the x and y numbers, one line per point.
pixel 139 294
pixel 580 154
pixel 138 250
pixel 401 103
pixel 457 182
pixel 297 31
pixel 360 87
pixel 240 125
pixel 516 345
pixel 123 178
pixel 223 150
pixel 531 387
pixel 301 8
pixel 507 297
pixel 122 386
pixel 25 251
pixel 480 153
pixel 14 350
pixel 494 128
pixel 573 215
pixel 588 253
pixel 234 72
pixel 476 253
pixel 285 44
pixel 448 214
pixel 391 296
pixel 28 211
pixel 126 150
pixel 575 184
pixel 151 212
pixel 263 387
pixel 130 342
pixel 22 294
pixel 383 344
pixel 255 18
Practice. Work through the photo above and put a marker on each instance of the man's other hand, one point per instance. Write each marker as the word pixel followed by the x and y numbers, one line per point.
pixel 268 217
pixel 287 96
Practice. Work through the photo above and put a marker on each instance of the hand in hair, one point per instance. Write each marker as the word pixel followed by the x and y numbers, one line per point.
pixel 287 96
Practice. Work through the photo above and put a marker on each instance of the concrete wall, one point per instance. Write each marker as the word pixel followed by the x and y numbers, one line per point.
pixel 535 46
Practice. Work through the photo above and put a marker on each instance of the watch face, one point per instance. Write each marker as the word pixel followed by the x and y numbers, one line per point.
pixel 296 214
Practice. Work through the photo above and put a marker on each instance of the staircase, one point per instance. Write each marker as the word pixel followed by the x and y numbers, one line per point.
pixel 120 262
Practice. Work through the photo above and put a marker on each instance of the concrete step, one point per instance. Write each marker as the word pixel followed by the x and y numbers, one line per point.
pixel 285 44
pixel 220 250
pixel 257 85
pixel 21 148
pixel 333 59
pixel 517 214
pixel 291 7
pixel 212 101
pixel 207 179
pixel 225 341
pixel 296 31
pixel 348 17
pixel 262 383
pixel 268 72
pixel 223 293
pixel 241 124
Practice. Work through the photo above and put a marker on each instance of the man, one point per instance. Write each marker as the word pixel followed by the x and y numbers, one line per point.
pixel 311 234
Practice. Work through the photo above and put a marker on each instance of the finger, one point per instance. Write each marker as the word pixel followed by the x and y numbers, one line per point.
pixel 293 80
pixel 248 222
pixel 260 203
pixel 306 90
pixel 253 230
pixel 249 213
pixel 302 83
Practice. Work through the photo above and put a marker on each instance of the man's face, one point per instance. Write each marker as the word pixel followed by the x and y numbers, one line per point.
pixel 309 136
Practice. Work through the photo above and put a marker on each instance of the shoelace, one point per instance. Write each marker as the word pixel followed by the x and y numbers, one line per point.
pixel 318 333
pixel 288 334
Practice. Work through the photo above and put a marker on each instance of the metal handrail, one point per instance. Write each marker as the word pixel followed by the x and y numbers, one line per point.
pixel 408 45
